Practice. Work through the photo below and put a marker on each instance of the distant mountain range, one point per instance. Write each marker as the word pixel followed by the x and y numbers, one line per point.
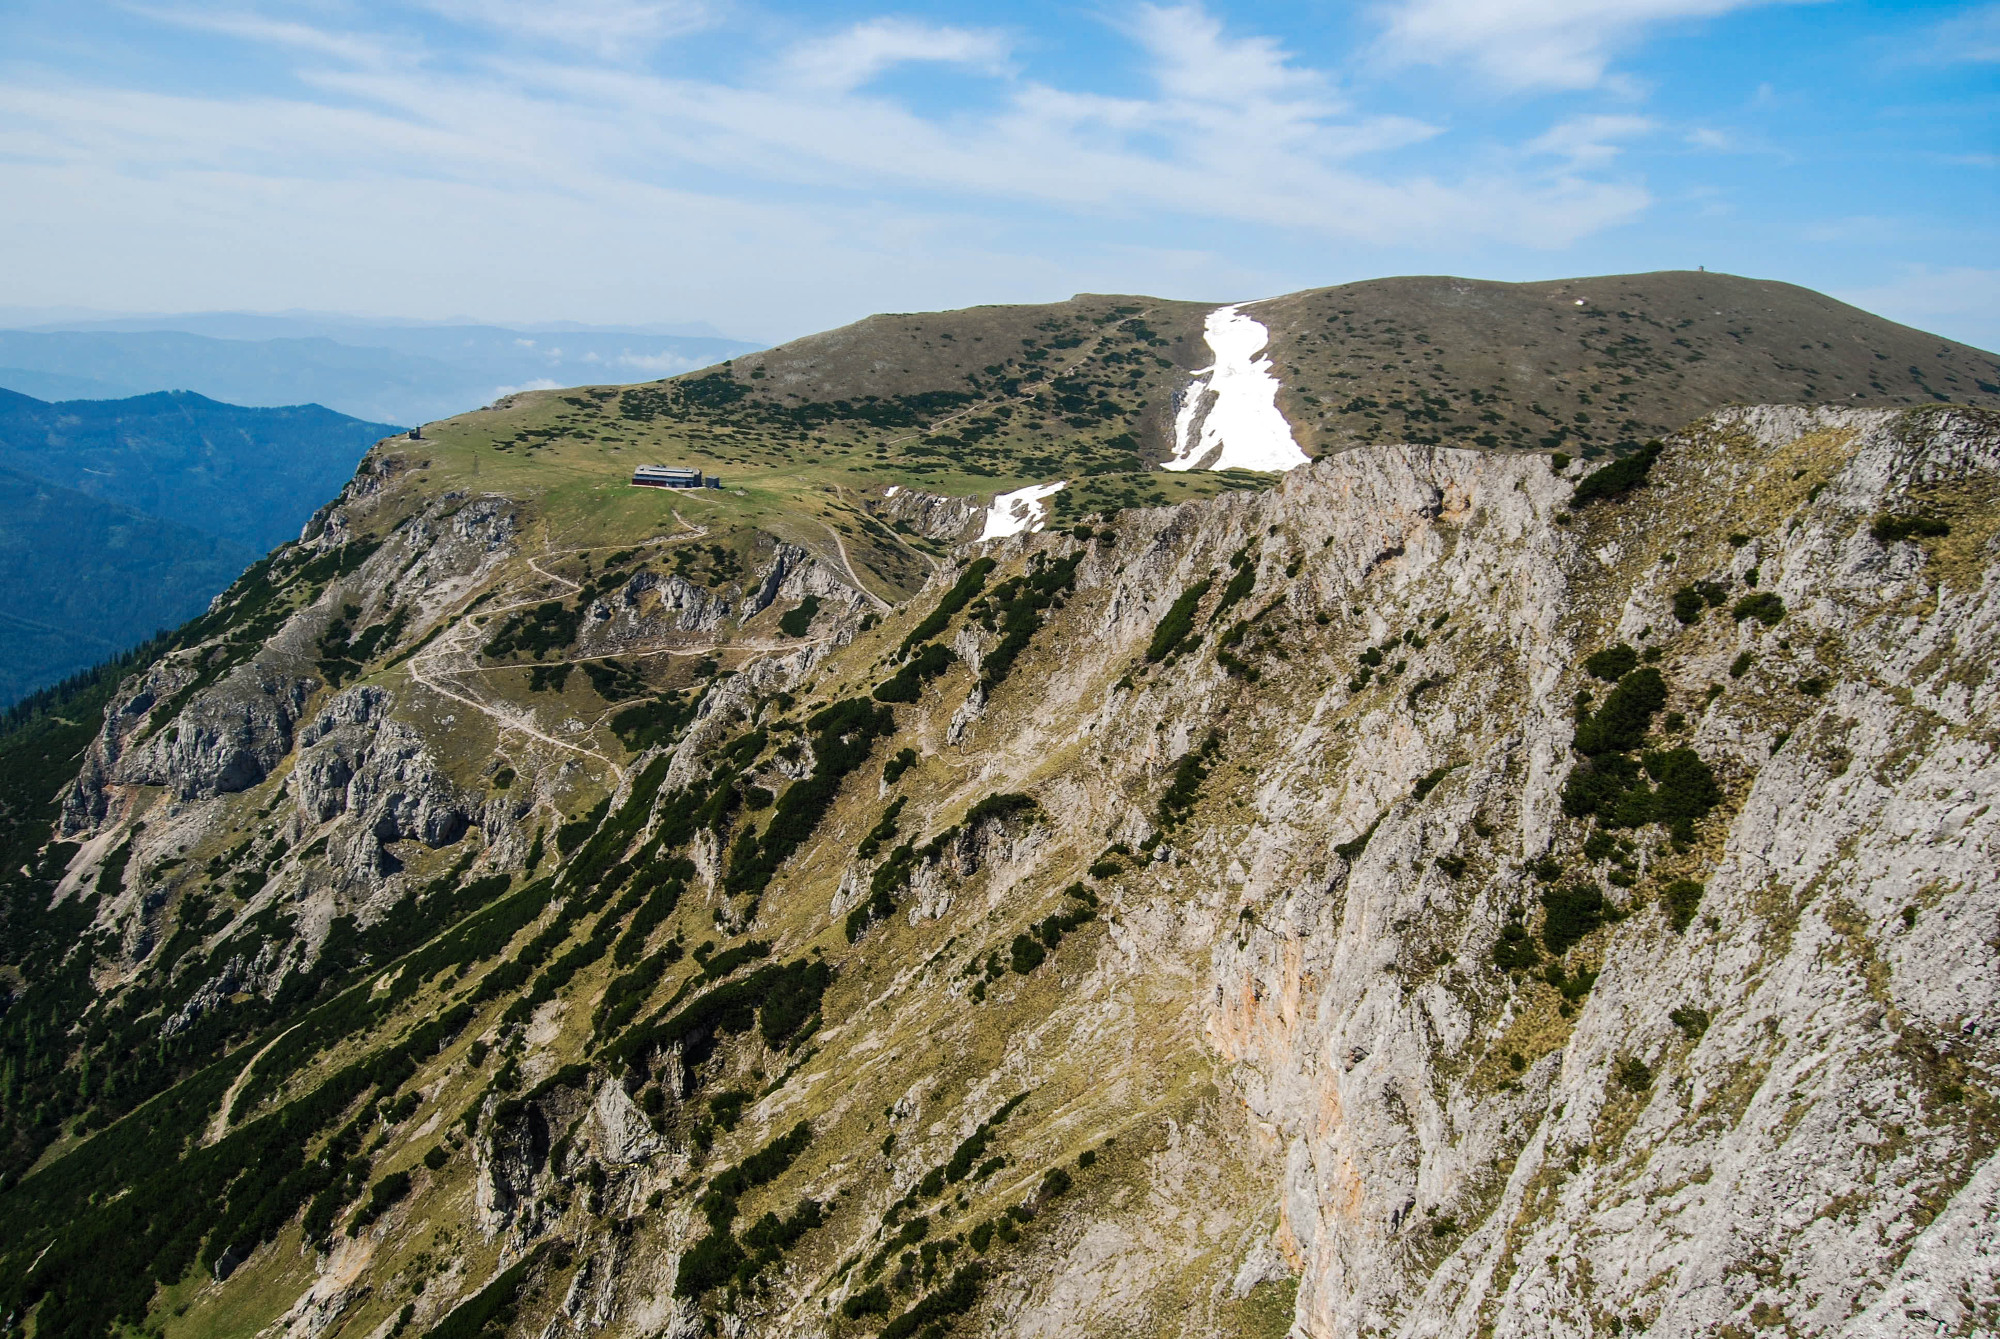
pixel 122 517
pixel 402 373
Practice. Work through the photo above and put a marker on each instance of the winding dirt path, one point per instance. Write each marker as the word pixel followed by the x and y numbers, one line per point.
pixel 848 563
pixel 427 664
pixel 220 1125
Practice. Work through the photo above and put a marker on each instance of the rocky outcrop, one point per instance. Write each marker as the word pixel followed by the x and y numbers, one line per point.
pixel 730 703
pixel 355 760
pixel 226 739
pixel 620 1131
pixel 927 514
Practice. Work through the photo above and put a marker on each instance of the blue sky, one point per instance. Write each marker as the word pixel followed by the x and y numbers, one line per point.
pixel 775 169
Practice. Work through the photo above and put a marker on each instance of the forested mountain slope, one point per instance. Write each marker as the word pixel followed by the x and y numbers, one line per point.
pixel 120 518
pixel 1441 890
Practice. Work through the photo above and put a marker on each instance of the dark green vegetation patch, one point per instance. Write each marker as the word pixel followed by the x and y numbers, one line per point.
pixel 1621 476
pixel 1176 624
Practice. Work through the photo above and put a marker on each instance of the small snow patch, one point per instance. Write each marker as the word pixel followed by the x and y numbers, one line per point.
pixel 1229 417
pixel 1022 509
pixel 892 490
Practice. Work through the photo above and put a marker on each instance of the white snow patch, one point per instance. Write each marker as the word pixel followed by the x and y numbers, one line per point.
pixel 892 490
pixel 1229 418
pixel 1022 509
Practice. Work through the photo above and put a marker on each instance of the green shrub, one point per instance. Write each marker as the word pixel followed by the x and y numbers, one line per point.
pixel 1888 528
pixel 1348 850
pixel 902 762
pixel 1177 803
pixel 381 1197
pixel 883 831
pixel 650 723
pixel 1621 476
pixel 1571 987
pixel 1514 948
pixel 726 1107
pixel 1173 629
pixel 797 621
pixel 1572 912
pixel 980 1237
pixel 907 684
pixel 933 1312
pixel 969 584
pixel 1451 864
pixel 1815 685
pixel 1239 586
pixel 1055 1182
pixel 1026 954
pixel 571 835
pixel 1428 782
pixel 1017 614
pixel 843 736
pixel 436 1156
pixel 1764 606
pixel 1689 601
pixel 1690 1020
pixel 1621 723
pixel 709 1263
pixel 873 1301
pixel 1741 665
pixel 999 806
pixel 1687 790
pixel 1613 663
pixel 1633 1074
pixel 492 1307
pixel 1681 898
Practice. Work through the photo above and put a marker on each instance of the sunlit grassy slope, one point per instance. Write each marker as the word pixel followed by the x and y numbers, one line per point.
pixel 800 471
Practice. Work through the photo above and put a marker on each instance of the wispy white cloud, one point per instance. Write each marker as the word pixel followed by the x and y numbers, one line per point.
pixel 538 384
pixel 654 364
pixel 249 26
pixel 1523 44
pixel 1971 36
pixel 612 29
pixel 858 55
pixel 1591 141
pixel 562 164
pixel 1235 129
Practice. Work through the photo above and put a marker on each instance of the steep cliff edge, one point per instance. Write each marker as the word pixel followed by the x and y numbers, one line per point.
pixel 1438 895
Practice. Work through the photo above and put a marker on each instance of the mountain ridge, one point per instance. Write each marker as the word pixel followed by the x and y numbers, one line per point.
pixel 1440 890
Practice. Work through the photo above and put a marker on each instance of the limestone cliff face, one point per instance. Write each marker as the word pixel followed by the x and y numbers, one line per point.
pixel 1802 1158
pixel 1400 1006
pixel 1759 1118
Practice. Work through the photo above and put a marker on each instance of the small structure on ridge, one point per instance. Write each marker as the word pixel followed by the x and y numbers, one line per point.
pixel 671 476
